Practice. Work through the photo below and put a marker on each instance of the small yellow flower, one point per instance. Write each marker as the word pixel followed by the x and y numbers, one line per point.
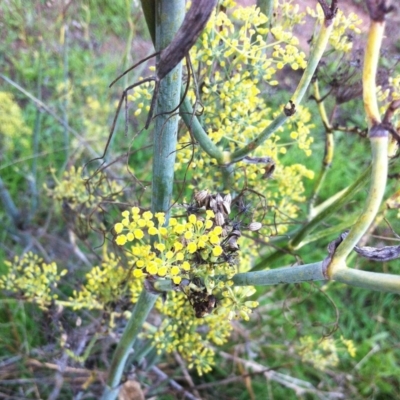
pixel 175 270
pixel 177 280
pixel 137 273
pixel 192 247
pixel 217 251
pixel 178 246
pixel 147 215
pixel 160 246
pixel 121 240
pixel 186 266
pixel 118 227
pixel 188 235
pixel 152 268
pixel 138 234
pixel 153 231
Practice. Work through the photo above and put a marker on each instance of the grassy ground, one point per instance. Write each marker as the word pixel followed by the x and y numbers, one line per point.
pixel 56 111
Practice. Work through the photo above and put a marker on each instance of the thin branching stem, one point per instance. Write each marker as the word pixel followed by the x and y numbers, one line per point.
pixel 315 56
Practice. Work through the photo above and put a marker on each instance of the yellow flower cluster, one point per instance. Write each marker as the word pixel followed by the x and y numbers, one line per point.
pixel 32 278
pixel 14 134
pixel 174 245
pixel 234 58
pixel 323 353
pixel 235 304
pixel 343 27
pixel 79 192
pixel 106 283
pixel 180 332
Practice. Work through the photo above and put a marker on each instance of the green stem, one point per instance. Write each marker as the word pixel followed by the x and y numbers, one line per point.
pixel 329 150
pixel 375 196
pixel 169 16
pixel 300 273
pixel 308 273
pixel 149 7
pixel 193 124
pixel 379 145
pixel 368 280
pixel 266 7
pixel 140 312
pixel 297 97
pixel 339 202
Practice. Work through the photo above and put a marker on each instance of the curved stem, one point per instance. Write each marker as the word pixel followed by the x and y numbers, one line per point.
pixel 375 196
pixel 379 145
pixel 193 124
pixel 325 212
pixel 371 60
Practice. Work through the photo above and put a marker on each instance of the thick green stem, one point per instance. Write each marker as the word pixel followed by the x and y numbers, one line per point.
pixel 140 312
pixel 315 56
pixel 308 273
pixel 369 280
pixel 169 17
pixel 375 196
pixel 379 145
pixel 300 273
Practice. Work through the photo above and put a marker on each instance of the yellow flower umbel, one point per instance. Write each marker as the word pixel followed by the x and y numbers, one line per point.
pixel 32 278
pixel 175 248
pixel 78 191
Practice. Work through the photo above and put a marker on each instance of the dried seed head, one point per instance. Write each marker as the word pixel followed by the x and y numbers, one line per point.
pixel 219 218
pixel 201 197
pixel 213 204
pixel 232 243
pixel 236 232
pixel 228 198
pixel 219 198
pixel 226 207
pixel 255 226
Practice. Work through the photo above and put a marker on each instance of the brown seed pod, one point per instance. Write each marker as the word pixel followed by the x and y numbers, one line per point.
pixel 219 218
pixel 201 197
pixel 226 207
pixel 213 204
pixel 232 243
pixel 255 226
pixel 236 232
